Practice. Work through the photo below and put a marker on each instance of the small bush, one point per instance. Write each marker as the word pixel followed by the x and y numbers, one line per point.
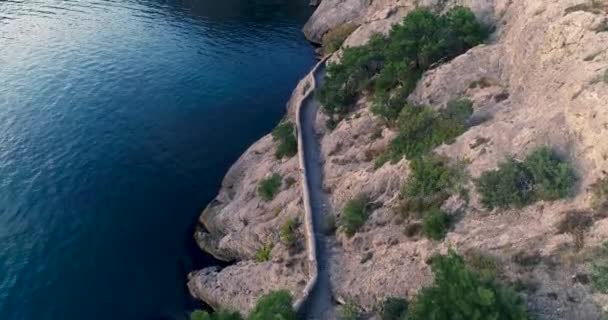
pixel 264 253
pixel 218 315
pixel 275 305
pixel 600 194
pixel 334 38
pixel 510 185
pixel 380 160
pixel 353 216
pixel 459 111
pixel 394 309
pixel 553 178
pixel 269 187
pixel 541 176
pixel 287 143
pixel 599 270
pixel 349 311
pixel 288 232
pixel 429 184
pixel 429 175
pixel 460 293
pixel 435 224
pixel 421 129
pixel 388 105
pixel 575 223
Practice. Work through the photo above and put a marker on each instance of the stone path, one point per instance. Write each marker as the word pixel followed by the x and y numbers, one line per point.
pixel 319 305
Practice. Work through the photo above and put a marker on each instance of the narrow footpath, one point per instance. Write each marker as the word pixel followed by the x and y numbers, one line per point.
pixel 319 305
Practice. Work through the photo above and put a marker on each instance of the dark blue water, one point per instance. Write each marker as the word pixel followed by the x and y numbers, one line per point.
pixel 118 120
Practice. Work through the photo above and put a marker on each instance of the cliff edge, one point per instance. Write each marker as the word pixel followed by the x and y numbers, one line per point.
pixel 540 80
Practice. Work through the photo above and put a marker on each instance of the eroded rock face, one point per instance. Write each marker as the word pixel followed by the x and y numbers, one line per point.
pixel 331 14
pixel 541 80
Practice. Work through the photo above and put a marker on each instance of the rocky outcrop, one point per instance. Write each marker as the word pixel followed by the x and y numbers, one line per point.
pixel 541 80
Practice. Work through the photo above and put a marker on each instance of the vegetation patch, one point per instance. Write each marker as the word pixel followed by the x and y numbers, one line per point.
pixel 391 66
pixel 460 293
pixel 599 190
pixel 269 187
pixel 264 253
pixel 275 305
pixel 334 38
pixel 599 270
pixel 431 181
pixel 435 224
pixel 354 216
pixel 217 315
pixel 288 232
pixel 394 309
pixel 285 137
pixel 349 311
pixel 541 176
pixel 421 129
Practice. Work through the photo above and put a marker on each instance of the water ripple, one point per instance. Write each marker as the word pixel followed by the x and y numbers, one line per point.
pixel 117 123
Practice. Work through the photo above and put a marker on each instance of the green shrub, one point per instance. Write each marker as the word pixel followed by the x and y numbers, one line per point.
pixel 383 158
pixel 388 105
pixel 218 315
pixel 287 143
pixel 435 224
pixel 264 253
pixel 269 187
pixel 600 194
pixel 599 270
pixel 430 183
pixel 421 129
pixel 276 305
pixel 460 293
pixel 429 175
pixel 345 80
pixel 553 178
pixel 459 111
pixel 510 185
pixel 334 38
pixel 353 216
pixel 288 232
pixel 397 61
pixel 394 309
pixel 349 311
pixel 541 176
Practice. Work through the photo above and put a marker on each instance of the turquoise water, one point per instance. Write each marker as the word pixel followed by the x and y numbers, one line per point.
pixel 118 120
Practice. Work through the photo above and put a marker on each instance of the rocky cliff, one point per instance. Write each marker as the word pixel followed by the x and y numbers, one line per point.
pixel 542 79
